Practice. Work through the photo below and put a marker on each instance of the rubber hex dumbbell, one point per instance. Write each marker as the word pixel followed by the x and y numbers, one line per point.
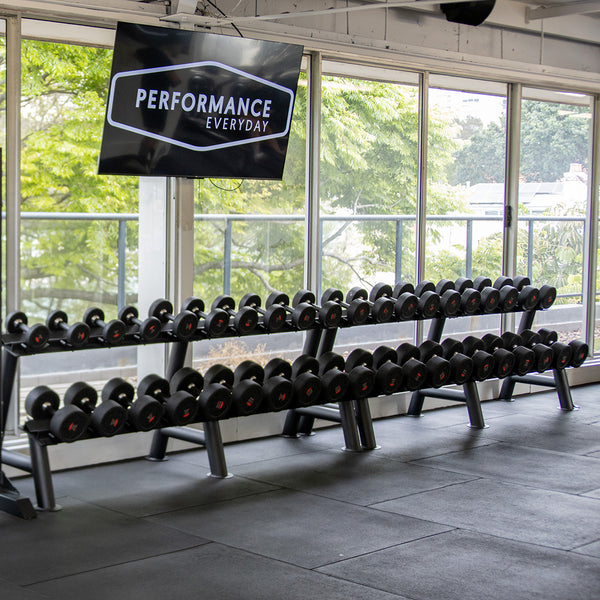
pixel 247 393
pixel 74 336
pixel 277 385
pixel 504 360
pixel 146 330
pixel 215 323
pixel 580 351
pixel 520 281
pixel 524 357
pixel 383 303
pixel 106 419
pixel 389 377
pixel 381 311
pixel 329 313
pixel 404 307
pixel 180 406
pixel 67 424
pixel 34 337
pixel 214 399
pixel 406 302
pixel 273 318
pixel 543 354
pixel 461 366
pixel 509 294
pixel 183 325
pixel 549 336
pixel 359 366
pixel 303 316
pixel 305 380
pixel 561 352
pixel 547 296
pixel 143 414
pixel 429 299
pixel 245 319
pixel 450 299
pixel 529 297
pixel 490 296
pixel 334 380
pixel 414 372
pixel 111 333
pixel 483 362
pixel 431 354
pixel 470 298
pixel 357 311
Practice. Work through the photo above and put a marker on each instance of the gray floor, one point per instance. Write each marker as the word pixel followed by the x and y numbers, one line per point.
pixel 438 512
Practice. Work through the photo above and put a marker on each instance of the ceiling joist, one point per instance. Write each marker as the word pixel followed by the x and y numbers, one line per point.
pixel 562 10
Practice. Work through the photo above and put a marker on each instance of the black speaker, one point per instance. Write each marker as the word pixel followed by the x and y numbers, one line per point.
pixel 468 13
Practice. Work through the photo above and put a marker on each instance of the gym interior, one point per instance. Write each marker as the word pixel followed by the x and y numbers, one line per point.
pixel 345 348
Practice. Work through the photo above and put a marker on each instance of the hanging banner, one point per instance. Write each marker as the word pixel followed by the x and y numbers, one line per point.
pixel 192 104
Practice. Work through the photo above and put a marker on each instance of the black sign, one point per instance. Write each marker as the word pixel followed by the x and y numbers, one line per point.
pixel 191 104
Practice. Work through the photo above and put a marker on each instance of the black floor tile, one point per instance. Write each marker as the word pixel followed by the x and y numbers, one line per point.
pixel 357 478
pixel 79 538
pixel 466 566
pixel 298 528
pixel 211 572
pixel 9 591
pixel 141 488
pixel 592 549
pixel 508 510
pixel 521 464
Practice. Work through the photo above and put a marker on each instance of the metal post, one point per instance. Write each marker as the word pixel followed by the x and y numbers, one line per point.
pixel 227 257
pixel 469 257
pixel 473 405
pixel 563 390
pixel 42 477
pixel 530 249
pixel 215 450
pixel 121 247
pixel 350 426
pixel 398 258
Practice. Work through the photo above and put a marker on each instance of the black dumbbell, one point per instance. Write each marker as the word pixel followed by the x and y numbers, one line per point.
pixel 429 299
pixel 214 398
pixel 406 302
pixel 414 372
pixel 461 366
pixel 561 353
pixel 389 377
pixel 520 281
pixel 112 332
pixel 214 323
pixel 245 319
pixel 183 325
pixel 67 424
pixel 470 298
pixel 305 380
pixel 383 302
pixel 277 385
pixel 547 296
pixel 483 362
pixel 247 394
pixel 490 296
pixel 146 330
pixel 524 357
pixel 329 313
pixel 334 380
pixel 543 353
pixel 303 316
pixel 143 414
pixel 359 366
pixel 529 297
pixel 450 299
pixel 431 354
pixel 504 360
pixel 273 318
pixel 580 351
pixel 381 311
pixel 180 406
pixel 357 312
pixel 34 337
pixel 509 294
pixel 107 419
pixel 74 336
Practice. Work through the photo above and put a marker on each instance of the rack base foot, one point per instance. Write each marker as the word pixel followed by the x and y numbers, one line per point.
pixel 12 502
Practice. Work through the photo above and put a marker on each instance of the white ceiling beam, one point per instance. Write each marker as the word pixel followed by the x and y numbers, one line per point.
pixel 562 10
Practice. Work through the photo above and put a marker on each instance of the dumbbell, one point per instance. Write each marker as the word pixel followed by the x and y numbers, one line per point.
pixel 524 357
pixel 180 406
pixel 334 380
pixel 359 366
pixel 383 303
pixel 461 366
pixel 547 296
pixel 107 419
pixel 214 323
pixel 357 312
pixel 277 385
pixel 483 362
pixel 329 313
pixel 245 319
pixel 212 395
pixel 183 325
pixel 470 298
pixel 389 377
pixel 504 360
pixel 303 316
pixel 509 294
pixel 247 394
pixel 147 330
pixel 543 354
pixel 306 384
pixel 404 307
pixel 75 336
pixel 519 281
pixel 143 414
pixel 67 424
pixel 429 300
pixel 34 337
pixel 431 354
pixel 112 332
pixel 490 296
pixel 529 296
pixel 580 351
pixel 414 372
pixel 380 311
pixel 561 353
pixel 406 302
pixel 450 299
pixel 273 318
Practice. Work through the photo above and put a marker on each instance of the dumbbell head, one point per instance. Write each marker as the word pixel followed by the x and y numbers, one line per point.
pixel 543 357
pixel 428 349
pixel 306 383
pixel 119 390
pixel 389 378
pixel 214 401
pixel 277 392
pixel 34 337
pixel 278 367
pixel 81 395
pixel 511 340
pixel 443 285
pixel 248 369
pixel 502 281
pixel 528 297
pixel 549 336
pixel 547 296
pixel 403 287
pixel 483 365
pixel 382 309
pixel 509 297
pixel 359 366
pixel 521 280
pixel 112 332
pixel 406 306
pixel 450 303
pixel 429 303
pixel 580 351
pixel 490 299
pixel 330 312
pixel 334 380
pixel 461 368
pixel 470 301
pixel 414 374
pixel 450 347
pixel 188 380
pixel 405 352
pixel 561 355
pixel 148 329
pixel 180 406
pixel 245 319
pixel 161 309
pixel 247 396
pixel 462 284
pixel 530 338
pixel 383 354
pixel 219 373
pixel 471 344
pixel 492 342
pixel 438 371
pixel 77 335
pixel 424 286
pixel 481 282
pixel 524 360
pixel 215 323
pixel 504 362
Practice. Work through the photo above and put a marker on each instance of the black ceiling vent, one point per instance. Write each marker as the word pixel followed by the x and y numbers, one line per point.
pixel 468 13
